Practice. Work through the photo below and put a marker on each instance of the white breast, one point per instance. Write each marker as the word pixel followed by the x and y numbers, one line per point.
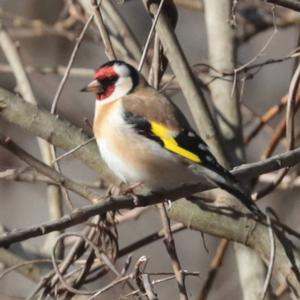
pixel 114 161
pixel 113 124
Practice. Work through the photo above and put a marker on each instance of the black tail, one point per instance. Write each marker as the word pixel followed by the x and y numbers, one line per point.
pixel 228 182
pixel 234 188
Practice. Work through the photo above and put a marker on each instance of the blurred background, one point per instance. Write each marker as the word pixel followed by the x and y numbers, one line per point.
pixel 23 204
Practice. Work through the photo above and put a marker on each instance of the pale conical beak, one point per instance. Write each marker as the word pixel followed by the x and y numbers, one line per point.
pixel 94 86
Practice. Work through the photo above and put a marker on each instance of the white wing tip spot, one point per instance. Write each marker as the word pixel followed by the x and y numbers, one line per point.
pixel 209 158
pixel 202 147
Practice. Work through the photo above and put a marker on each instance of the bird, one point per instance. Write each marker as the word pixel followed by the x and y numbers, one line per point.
pixel 144 138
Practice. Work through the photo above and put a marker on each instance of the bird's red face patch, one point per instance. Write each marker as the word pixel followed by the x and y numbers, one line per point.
pixel 107 78
pixel 105 73
pixel 107 92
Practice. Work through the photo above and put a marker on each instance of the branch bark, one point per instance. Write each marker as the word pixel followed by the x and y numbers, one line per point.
pixel 56 131
pixel 56 176
pixel 292 4
pixel 237 228
pixel 222 52
pixel 24 85
pixel 221 45
pixel 9 259
pixel 63 134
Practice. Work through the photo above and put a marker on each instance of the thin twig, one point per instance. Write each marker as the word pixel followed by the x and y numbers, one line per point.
pixel 144 54
pixel 57 271
pixel 272 255
pixel 109 51
pixel 25 175
pixel 122 29
pixel 77 246
pixel 292 4
pixel 290 109
pixel 171 249
pixel 289 182
pixel 23 28
pixel 149 239
pixel 48 171
pixel 56 70
pixel 72 150
pixel 30 175
pixel 276 162
pixel 25 88
pixel 58 94
pixel 290 112
pixel 148 285
pixel 155 71
pixel 276 138
pixel 13 262
pixel 12 55
pixel 270 187
pixel 109 286
pixel 70 63
pixel 215 264
pixel 263 49
pixel 266 117
pixel 23 264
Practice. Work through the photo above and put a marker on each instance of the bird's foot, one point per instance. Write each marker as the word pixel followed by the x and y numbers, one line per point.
pixel 113 190
pixel 130 189
pixel 121 189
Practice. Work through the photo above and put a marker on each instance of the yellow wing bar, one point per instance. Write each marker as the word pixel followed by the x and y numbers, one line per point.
pixel 165 135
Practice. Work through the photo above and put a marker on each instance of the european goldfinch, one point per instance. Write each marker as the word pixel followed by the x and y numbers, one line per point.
pixel 144 138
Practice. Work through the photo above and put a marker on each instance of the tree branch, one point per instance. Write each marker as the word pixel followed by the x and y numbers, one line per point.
pixel 57 177
pixel 56 131
pixel 24 85
pixel 237 228
pixel 222 57
pixel 186 80
pixel 221 44
pixel 292 4
pixel 9 259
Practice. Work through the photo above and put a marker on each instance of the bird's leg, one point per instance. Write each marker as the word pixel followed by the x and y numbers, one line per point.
pixel 113 190
pixel 108 192
pixel 130 189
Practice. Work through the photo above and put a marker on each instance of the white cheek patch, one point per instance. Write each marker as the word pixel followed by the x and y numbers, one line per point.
pixel 122 87
pixel 121 70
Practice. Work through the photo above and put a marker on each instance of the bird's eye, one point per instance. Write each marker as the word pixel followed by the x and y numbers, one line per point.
pixel 107 81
